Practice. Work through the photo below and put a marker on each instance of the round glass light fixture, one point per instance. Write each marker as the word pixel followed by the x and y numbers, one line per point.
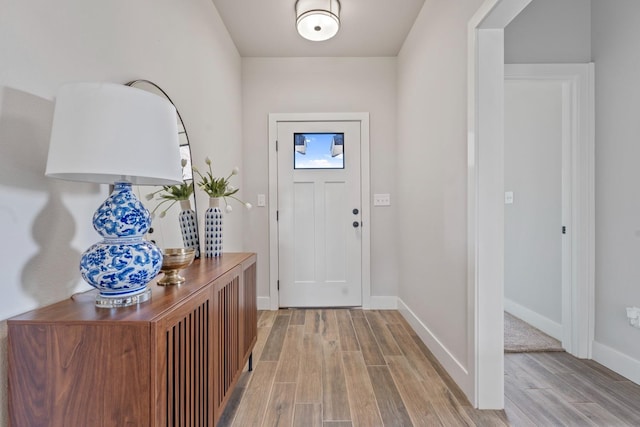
pixel 317 20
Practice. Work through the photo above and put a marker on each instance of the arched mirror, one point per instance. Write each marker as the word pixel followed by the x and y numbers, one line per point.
pixel 166 225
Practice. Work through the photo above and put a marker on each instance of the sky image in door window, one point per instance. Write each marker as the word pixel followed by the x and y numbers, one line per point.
pixel 318 151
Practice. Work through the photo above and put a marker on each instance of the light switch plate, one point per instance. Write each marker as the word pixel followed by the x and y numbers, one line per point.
pixel 381 200
pixel 262 200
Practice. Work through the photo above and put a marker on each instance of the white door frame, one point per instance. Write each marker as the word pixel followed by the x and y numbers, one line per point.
pixel 485 216
pixel 363 118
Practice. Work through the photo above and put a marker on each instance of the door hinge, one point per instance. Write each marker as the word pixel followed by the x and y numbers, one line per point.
pixel 276 145
pixel 564 229
pixel 278 284
pixel 277 215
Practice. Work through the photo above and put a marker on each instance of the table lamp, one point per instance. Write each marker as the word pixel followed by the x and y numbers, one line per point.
pixel 115 134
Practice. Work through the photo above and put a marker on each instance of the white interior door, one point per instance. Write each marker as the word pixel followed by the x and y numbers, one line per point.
pixel 577 111
pixel 319 214
pixel 537 180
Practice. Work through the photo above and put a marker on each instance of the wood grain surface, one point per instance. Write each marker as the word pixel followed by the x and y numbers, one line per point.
pixel 367 368
pixel 173 360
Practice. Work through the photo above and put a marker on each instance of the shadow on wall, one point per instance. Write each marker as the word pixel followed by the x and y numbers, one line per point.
pixel 37 257
pixel 53 228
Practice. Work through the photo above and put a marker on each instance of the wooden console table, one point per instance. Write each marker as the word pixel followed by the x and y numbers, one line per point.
pixel 171 361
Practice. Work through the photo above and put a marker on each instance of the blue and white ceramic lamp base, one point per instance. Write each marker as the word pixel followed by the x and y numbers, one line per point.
pixel 123 263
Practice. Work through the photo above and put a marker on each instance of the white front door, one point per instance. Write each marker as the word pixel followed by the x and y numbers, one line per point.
pixel 319 214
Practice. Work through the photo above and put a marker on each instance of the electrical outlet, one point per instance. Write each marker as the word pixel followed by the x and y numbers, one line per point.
pixel 508 197
pixel 381 200
pixel 633 314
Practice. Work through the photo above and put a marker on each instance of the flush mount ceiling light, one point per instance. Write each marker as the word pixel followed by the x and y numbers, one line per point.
pixel 318 20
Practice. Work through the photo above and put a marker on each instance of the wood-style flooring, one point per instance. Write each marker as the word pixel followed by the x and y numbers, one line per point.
pixel 341 367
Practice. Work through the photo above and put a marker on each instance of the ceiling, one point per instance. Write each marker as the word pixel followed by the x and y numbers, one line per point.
pixel 368 28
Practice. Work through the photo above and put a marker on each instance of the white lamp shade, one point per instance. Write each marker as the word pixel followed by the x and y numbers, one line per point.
pixel 318 20
pixel 106 132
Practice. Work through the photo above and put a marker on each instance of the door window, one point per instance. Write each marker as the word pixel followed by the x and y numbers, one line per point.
pixel 318 151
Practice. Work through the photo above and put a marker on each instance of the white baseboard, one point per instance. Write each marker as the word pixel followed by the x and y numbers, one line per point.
pixel 458 372
pixel 264 303
pixel 619 362
pixel 536 320
pixel 383 303
pixel 376 303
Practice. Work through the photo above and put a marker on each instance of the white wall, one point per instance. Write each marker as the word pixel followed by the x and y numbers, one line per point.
pixel 550 31
pixel 617 67
pixel 306 85
pixel 432 181
pixel 46 224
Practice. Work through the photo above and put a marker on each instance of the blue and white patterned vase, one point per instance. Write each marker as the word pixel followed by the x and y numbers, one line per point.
pixel 122 264
pixel 213 229
pixel 189 227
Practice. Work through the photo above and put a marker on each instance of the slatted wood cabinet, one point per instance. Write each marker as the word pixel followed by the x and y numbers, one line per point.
pixel 172 361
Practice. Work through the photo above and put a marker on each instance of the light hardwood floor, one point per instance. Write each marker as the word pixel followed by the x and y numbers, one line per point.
pixel 340 367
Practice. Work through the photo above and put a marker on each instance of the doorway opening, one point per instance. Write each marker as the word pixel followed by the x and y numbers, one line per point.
pixel 486 207
pixel 547 109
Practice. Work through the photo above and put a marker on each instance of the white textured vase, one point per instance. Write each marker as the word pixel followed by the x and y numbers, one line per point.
pixel 189 227
pixel 213 229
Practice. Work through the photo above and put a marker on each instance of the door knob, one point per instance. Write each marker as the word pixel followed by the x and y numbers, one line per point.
pixel 355 211
pixel 356 224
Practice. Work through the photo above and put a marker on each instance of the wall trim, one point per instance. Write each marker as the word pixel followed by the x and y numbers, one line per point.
pixel 383 303
pixel 376 303
pixel 458 372
pixel 533 318
pixel 621 363
pixel 264 303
